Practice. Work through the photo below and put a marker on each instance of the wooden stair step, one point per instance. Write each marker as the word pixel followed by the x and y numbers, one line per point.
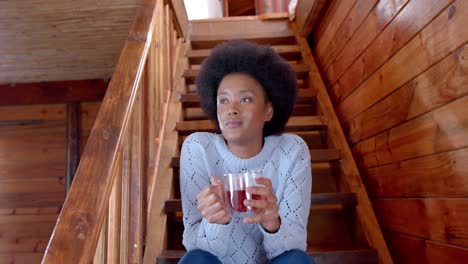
pixel 209 42
pixel 288 52
pixel 193 99
pixel 316 156
pixel 175 205
pixel 295 123
pixel 302 71
pixel 360 255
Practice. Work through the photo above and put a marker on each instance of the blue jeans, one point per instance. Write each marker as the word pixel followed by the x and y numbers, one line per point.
pixel 289 257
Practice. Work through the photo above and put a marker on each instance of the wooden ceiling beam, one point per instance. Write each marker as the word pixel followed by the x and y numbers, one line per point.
pixel 53 92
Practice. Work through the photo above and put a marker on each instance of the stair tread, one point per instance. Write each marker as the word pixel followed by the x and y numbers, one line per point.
pixel 344 198
pixel 346 254
pixel 193 99
pixel 295 123
pixel 208 42
pixel 301 70
pixel 316 155
pixel 289 52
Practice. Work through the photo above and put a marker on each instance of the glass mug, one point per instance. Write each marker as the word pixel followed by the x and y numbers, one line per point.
pixel 235 185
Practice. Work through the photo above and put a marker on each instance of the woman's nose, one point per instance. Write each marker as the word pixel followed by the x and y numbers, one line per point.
pixel 233 109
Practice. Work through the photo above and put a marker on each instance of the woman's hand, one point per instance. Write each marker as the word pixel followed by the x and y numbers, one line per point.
pixel 266 209
pixel 211 203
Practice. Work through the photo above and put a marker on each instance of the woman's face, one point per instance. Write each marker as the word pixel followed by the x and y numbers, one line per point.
pixel 242 108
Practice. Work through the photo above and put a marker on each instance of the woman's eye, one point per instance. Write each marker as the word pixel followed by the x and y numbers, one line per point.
pixel 246 100
pixel 222 101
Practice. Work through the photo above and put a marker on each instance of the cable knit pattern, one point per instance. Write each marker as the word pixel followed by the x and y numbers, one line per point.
pixel 285 159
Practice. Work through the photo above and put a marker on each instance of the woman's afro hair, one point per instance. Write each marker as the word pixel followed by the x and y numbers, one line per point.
pixel 260 62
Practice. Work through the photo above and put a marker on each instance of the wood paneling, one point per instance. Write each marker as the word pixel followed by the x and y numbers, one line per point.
pixel 443 129
pixel 52 92
pixel 378 19
pixel 441 175
pixel 350 24
pixel 62 40
pixel 442 220
pixel 410 250
pixel 401 29
pixel 439 85
pixel 400 88
pixel 441 37
pixel 335 16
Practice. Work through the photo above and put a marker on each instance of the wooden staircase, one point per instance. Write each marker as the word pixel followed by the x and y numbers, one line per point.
pixel 342 227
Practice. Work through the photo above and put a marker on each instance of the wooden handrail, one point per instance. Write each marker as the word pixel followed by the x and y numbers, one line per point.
pixel 119 155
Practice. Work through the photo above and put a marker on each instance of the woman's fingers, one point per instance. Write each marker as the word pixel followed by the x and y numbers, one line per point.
pixel 212 206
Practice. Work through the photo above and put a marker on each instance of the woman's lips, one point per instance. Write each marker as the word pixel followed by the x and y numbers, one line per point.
pixel 233 123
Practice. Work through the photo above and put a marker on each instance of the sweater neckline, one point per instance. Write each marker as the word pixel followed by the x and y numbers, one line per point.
pixel 251 163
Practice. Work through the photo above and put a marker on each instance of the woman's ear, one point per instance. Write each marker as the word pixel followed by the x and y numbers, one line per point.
pixel 269 112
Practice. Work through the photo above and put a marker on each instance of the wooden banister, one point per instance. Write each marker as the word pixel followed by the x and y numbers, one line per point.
pixel 109 185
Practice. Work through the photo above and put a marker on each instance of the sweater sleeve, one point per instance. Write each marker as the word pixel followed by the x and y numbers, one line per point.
pixel 293 207
pixel 198 232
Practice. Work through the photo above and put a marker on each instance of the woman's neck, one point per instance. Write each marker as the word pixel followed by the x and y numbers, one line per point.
pixel 246 150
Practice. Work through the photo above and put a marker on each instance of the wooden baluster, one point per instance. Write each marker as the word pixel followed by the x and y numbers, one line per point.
pixel 125 191
pixel 100 254
pixel 113 232
pixel 136 225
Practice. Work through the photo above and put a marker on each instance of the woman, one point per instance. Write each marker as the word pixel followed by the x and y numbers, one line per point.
pixel 249 91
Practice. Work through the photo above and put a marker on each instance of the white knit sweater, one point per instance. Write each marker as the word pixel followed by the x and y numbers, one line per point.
pixel 285 159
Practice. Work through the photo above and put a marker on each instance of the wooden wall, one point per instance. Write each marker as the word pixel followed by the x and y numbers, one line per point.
pixel 397 72
pixel 33 175
pixel 62 39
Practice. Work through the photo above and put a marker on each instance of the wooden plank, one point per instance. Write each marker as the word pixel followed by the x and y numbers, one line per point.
pixel 317 13
pixel 377 21
pixel 30 210
pixel 114 216
pixel 378 53
pixel 304 11
pixel 137 187
pixel 23 245
pixel 53 112
pixel 439 85
pixel 350 177
pixel 209 42
pixel 320 256
pixel 441 130
pixel 408 249
pixel 296 123
pixel 180 18
pixel 353 20
pixel 32 184
pixel 100 252
pixel 206 34
pixel 88 114
pixel 441 175
pixel 288 52
pixel 442 220
pixel 125 192
pixel 32 229
pixel 58 92
pixel 327 31
pixel 73 142
pixel 31 199
pixel 301 71
pixel 450 35
pixel 21 257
